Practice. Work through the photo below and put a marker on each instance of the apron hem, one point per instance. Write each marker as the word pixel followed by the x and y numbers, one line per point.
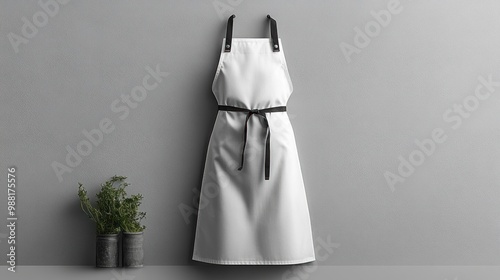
pixel 255 262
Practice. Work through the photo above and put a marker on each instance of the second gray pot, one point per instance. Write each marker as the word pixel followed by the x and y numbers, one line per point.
pixel 132 249
pixel 107 250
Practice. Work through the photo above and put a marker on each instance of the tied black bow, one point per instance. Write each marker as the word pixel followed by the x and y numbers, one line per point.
pixel 261 113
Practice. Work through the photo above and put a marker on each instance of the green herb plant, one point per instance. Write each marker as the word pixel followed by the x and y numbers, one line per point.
pixel 105 213
pixel 114 210
pixel 130 216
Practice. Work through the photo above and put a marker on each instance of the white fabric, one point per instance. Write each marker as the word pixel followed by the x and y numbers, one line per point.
pixel 242 218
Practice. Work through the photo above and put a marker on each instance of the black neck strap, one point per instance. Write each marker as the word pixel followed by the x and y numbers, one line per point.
pixel 274 34
pixel 229 34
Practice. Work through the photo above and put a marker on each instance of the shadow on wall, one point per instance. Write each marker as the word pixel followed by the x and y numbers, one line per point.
pixel 80 239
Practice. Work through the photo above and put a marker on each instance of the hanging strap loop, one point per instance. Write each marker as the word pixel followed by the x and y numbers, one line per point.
pixel 229 34
pixel 274 34
pixel 272 25
pixel 261 113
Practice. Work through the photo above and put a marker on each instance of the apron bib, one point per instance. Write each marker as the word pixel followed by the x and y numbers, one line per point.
pixel 253 207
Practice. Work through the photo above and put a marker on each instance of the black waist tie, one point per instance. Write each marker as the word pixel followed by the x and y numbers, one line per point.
pixel 261 113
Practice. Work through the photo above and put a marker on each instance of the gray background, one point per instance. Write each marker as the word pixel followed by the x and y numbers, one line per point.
pixel 352 121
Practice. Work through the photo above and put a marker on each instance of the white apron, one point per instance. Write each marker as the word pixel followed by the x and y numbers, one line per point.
pixel 253 207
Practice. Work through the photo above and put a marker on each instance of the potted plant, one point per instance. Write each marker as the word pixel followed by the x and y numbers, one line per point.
pixel 106 218
pixel 132 230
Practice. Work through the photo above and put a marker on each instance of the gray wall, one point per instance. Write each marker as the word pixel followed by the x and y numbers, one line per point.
pixel 355 116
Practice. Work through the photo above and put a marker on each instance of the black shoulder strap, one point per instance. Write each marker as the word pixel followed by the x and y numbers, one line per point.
pixel 229 34
pixel 274 34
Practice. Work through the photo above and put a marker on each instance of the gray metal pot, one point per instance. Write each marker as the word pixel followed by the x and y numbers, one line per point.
pixel 132 249
pixel 106 253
